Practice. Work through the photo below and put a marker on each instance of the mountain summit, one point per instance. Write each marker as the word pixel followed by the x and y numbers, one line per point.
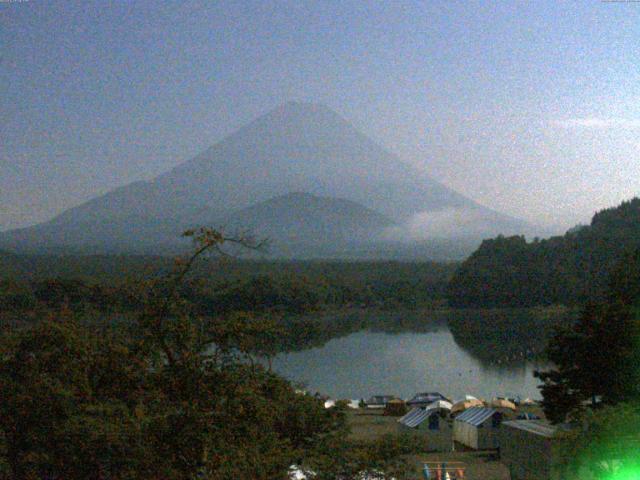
pixel 296 147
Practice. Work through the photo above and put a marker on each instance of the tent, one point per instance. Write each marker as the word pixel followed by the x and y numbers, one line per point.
pixel 466 397
pixel 440 404
pixel 425 398
pixel 395 408
pixel 503 403
pixel 463 405
pixel 379 401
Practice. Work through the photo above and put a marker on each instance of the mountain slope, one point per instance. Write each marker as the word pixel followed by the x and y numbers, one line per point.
pixel 294 148
pixel 303 225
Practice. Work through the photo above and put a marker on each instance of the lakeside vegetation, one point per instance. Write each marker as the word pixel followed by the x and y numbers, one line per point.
pixel 169 393
pixel 294 307
pixel 130 350
pixel 219 286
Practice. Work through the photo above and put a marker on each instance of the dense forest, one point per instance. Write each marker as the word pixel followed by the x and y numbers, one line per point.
pixel 217 287
pixel 592 384
pixel 571 269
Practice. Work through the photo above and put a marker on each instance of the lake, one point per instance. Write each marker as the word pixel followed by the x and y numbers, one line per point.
pixel 483 359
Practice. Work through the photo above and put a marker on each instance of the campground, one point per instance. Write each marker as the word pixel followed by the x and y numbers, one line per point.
pixel 370 424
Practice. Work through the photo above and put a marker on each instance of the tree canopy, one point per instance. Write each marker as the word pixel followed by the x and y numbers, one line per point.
pixel 596 359
pixel 572 269
pixel 175 395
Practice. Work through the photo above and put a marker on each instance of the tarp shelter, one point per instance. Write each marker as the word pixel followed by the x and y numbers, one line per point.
pixel 440 404
pixel 526 449
pixel 379 401
pixel 432 426
pixel 425 398
pixel 477 428
pixel 463 405
pixel 503 403
pixel 395 408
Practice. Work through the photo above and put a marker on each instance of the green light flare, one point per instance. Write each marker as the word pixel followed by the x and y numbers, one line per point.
pixel 626 473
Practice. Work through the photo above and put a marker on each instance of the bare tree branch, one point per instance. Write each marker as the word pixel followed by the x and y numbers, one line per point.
pixel 205 240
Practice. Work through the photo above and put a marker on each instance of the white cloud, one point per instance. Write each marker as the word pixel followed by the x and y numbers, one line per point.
pixel 449 222
pixel 595 122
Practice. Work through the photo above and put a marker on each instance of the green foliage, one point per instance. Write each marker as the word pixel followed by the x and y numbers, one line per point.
pixel 604 446
pixel 263 293
pixel 171 393
pixel 60 419
pixel 379 460
pixel 596 359
pixel 112 284
pixel 570 270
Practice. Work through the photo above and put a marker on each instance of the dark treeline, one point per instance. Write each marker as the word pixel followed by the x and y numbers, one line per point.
pixel 593 383
pixel 292 306
pixel 109 283
pixel 309 303
pixel 571 269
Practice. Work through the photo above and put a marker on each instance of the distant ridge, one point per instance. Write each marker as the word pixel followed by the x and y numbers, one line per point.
pixel 297 147
pixel 298 223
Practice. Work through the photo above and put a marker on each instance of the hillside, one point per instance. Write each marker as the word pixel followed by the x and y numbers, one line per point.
pixel 570 269
pixel 294 148
pixel 297 224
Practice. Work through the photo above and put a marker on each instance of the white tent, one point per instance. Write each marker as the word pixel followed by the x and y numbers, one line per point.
pixel 296 473
pixel 440 404
pixel 466 397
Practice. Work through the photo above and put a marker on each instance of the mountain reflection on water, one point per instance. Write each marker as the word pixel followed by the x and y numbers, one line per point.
pixel 358 354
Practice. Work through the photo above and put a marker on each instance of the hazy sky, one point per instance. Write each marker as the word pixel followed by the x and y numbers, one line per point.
pixel 531 108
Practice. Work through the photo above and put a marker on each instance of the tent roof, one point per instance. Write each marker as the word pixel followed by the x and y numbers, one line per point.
pixel 475 415
pixel 440 404
pixel 465 404
pixel 427 397
pixel 502 403
pixel 380 399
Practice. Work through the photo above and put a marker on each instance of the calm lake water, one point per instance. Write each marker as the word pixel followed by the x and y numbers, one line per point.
pixel 369 362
